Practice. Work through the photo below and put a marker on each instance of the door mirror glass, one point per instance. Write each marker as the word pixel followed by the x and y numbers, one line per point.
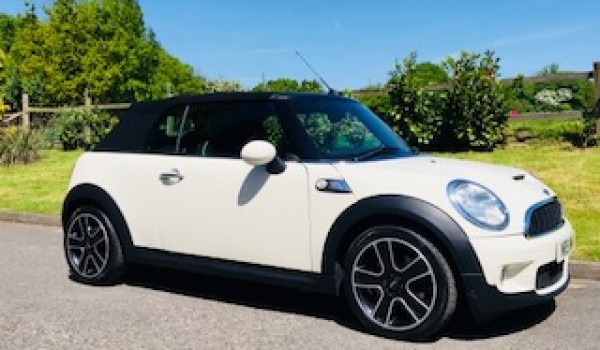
pixel 258 152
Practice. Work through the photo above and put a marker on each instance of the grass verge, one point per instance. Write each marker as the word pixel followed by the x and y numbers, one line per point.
pixel 39 187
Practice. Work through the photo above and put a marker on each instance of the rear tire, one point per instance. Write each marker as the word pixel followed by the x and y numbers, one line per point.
pixel 92 247
pixel 398 284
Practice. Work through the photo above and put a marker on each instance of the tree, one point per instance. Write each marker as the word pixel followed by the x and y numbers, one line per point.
pixel 289 85
pixel 428 73
pixel 26 61
pixel 470 115
pixel 415 113
pixel 378 103
pixel 475 112
pixel 221 85
pixel 310 86
pixel 2 59
pixel 8 25
pixel 102 46
pixel 171 77
pixel 550 69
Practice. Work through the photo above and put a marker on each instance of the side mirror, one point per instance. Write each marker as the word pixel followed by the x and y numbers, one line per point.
pixel 260 152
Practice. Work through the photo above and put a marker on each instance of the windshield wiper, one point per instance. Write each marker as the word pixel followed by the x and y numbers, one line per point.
pixel 374 152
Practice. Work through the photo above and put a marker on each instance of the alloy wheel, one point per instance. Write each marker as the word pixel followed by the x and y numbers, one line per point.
pixel 87 245
pixel 393 283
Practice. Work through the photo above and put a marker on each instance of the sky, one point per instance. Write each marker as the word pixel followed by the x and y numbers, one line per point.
pixel 354 43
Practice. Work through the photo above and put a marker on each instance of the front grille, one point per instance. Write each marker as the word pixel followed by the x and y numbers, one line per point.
pixel 548 275
pixel 544 218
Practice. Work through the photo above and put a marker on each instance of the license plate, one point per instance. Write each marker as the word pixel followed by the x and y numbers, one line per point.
pixel 563 249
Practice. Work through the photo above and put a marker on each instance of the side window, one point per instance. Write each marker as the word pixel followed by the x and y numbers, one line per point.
pixel 163 136
pixel 222 129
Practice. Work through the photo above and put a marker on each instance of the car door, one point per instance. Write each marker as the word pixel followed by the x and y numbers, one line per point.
pixel 213 204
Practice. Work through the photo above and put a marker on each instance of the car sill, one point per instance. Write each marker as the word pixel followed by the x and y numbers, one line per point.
pixel 230 269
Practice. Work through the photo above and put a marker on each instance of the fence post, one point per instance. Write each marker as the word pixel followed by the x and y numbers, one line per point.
pixel 597 89
pixel 87 100
pixel 87 131
pixel 25 118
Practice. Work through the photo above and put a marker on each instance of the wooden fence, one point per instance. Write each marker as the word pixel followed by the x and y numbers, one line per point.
pixel 27 109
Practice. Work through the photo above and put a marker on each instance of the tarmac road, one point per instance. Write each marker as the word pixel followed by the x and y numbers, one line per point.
pixel 40 308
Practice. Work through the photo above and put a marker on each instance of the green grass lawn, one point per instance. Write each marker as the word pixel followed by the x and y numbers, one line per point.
pixel 39 187
pixel 573 173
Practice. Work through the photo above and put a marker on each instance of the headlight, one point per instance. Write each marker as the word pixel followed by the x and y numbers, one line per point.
pixel 478 204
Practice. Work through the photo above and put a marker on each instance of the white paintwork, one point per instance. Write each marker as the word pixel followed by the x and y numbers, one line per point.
pixel 325 208
pixel 258 152
pixel 225 208
pixel 228 209
pixel 496 253
pixel 427 177
pixel 129 179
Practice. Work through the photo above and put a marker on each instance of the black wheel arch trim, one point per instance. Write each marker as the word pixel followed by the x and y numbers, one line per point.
pixel 94 195
pixel 435 220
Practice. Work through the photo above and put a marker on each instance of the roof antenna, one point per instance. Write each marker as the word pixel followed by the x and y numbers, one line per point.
pixel 331 91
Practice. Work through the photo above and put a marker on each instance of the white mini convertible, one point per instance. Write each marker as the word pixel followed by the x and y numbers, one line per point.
pixel 316 192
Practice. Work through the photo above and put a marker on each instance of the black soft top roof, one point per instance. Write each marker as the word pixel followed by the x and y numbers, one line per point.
pixel 129 135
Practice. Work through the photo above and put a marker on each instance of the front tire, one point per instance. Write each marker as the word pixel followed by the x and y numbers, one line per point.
pixel 398 284
pixel 92 247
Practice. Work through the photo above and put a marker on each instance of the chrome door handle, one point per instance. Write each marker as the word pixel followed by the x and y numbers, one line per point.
pixel 170 177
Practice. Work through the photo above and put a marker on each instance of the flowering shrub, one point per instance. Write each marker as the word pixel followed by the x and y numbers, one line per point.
pixel 554 97
pixel 550 96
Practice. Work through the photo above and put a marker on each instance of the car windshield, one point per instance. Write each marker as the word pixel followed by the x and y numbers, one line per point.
pixel 343 129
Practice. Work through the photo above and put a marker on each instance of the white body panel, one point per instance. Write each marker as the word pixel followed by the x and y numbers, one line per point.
pixel 427 178
pixel 227 209
pixel 325 208
pixel 523 256
pixel 129 180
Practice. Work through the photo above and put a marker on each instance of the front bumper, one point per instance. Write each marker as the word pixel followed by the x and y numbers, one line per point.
pixel 486 302
pixel 511 263
pixel 518 271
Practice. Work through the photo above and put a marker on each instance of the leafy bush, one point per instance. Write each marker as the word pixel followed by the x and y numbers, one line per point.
pixel 471 115
pixel 19 146
pixel 78 127
pixel 474 115
pixel 415 114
